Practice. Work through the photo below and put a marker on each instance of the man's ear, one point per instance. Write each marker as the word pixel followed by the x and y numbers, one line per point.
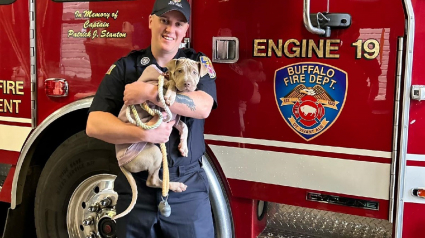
pixel 150 21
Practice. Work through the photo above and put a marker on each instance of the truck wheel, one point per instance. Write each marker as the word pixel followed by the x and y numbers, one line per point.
pixel 75 196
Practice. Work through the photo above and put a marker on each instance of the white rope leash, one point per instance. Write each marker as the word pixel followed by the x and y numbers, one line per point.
pixel 136 121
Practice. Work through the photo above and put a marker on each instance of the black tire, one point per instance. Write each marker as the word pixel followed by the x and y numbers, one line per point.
pixel 76 159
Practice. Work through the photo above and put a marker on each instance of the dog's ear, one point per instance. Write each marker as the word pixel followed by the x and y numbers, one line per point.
pixel 172 65
pixel 202 70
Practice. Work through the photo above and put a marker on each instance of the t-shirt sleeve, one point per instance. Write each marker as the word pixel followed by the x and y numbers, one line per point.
pixel 207 81
pixel 109 95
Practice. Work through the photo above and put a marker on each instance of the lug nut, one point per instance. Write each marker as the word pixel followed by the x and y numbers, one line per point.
pixel 92 235
pixel 94 208
pixel 88 221
pixel 106 202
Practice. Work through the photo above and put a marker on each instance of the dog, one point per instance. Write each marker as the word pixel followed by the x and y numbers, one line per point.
pixel 183 76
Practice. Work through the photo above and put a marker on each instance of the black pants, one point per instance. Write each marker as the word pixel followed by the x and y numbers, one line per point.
pixel 190 210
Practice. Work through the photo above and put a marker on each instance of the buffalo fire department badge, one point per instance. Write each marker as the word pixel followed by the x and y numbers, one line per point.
pixel 310 96
pixel 206 62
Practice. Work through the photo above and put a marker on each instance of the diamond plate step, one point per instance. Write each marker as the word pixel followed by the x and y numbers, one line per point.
pixel 274 233
pixel 284 221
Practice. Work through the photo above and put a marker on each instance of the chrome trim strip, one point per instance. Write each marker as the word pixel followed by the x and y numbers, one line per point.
pixel 219 204
pixel 307 22
pixel 80 104
pixel 33 63
pixel 410 33
pixel 395 129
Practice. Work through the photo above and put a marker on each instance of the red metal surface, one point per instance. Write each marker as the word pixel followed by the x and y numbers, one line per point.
pixel 369 105
pixel 417 109
pixel 7 186
pixel 247 104
pixel 413 220
pixel 15 60
pixel 9 157
pixel 82 61
pixel 245 219
pixel 415 163
pixel 297 197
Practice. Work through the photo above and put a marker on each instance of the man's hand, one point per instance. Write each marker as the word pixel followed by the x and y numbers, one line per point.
pixel 139 92
pixel 162 133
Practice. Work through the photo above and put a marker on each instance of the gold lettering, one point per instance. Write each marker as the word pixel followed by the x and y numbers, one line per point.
pixel 8 106
pixel 302 78
pixel 295 79
pixel 319 79
pixel 332 74
pixel 317 50
pixel 95 24
pixel 290 71
pixel 10 87
pixel 330 48
pixel 90 13
pixel 259 47
pixel 316 70
pixel 304 67
pixel 286 81
pixel 17 102
pixel 325 80
pixel 277 51
pixel 304 48
pixel 295 49
pixel 332 83
pixel 312 78
pixel 19 87
pixel 107 34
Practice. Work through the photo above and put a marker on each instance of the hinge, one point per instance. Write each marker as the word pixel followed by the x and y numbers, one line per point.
pixel 33 112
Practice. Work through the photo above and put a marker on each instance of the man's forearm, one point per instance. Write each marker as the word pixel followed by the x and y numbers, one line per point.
pixel 105 126
pixel 196 104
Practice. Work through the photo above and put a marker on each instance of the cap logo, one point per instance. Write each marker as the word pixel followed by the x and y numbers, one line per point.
pixel 175 3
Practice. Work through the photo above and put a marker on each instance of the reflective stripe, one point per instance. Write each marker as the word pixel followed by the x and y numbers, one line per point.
pixel 13 137
pixel 357 178
pixel 415 157
pixel 333 149
pixel 16 119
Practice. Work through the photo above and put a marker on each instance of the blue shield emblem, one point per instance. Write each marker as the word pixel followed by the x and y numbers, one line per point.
pixel 310 96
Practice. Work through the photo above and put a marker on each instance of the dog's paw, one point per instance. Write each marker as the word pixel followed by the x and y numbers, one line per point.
pixel 170 97
pixel 177 187
pixel 183 149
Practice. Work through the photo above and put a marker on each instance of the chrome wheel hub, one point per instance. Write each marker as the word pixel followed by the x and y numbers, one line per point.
pixel 91 207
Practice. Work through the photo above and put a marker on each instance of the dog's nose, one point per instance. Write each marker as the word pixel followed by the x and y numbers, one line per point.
pixel 187 84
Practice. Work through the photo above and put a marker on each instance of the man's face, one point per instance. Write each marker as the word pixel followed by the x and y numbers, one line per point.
pixel 168 31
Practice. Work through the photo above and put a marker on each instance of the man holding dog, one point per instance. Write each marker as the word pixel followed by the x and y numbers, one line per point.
pixel 191 211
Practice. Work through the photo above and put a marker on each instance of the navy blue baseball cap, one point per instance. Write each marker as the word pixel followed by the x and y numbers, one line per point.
pixel 163 6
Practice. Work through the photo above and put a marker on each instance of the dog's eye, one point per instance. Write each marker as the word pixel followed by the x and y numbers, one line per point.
pixel 195 72
pixel 180 71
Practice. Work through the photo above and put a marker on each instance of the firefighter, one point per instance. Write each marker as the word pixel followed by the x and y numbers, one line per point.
pixel 191 210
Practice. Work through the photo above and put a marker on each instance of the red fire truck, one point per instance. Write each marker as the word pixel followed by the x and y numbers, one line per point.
pixel 318 132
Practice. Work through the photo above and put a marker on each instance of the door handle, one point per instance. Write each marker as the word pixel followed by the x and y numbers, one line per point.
pixel 225 49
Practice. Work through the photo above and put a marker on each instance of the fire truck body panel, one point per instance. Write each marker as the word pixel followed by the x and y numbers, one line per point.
pixel 262 145
pixel 261 155
pixel 412 218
